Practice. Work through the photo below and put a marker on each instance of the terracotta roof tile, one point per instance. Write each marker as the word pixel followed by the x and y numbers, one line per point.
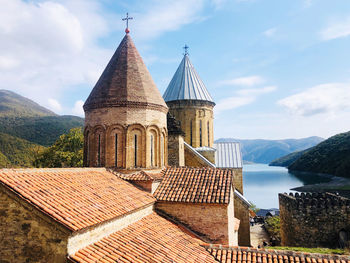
pixel 140 175
pixel 226 254
pixel 195 185
pixel 75 197
pixel 151 239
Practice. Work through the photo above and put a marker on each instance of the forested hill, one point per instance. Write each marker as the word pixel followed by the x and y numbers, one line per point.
pixel 331 156
pixel 265 151
pixel 288 159
pixel 25 119
pixel 14 105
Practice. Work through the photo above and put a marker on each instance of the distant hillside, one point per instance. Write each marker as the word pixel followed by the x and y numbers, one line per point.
pixel 23 118
pixel 265 151
pixel 329 157
pixel 14 105
pixel 288 159
pixel 16 152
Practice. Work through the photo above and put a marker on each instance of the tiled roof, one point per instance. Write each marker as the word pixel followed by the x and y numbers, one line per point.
pixel 125 82
pixel 75 197
pixel 151 239
pixel 195 185
pixel 225 254
pixel 141 175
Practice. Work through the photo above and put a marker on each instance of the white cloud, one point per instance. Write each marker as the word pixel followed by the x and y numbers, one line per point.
pixel 48 47
pixel 327 99
pixel 242 97
pixel 78 108
pixel 163 16
pixel 307 3
pixel 336 30
pixel 54 105
pixel 244 81
pixel 270 32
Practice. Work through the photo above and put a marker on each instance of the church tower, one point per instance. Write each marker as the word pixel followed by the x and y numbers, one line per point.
pixel 190 103
pixel 125 115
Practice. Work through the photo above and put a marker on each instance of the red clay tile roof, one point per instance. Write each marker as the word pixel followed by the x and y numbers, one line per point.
pixel 75 197
pixel 195 185
pixel 141 175
pixel 225 254
pixel 152 239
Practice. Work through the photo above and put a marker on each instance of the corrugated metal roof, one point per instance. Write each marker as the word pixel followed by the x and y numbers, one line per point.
pixel 228 155
pixel 186 84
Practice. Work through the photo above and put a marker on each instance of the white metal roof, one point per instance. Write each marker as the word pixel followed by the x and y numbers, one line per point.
pixel 186 84
pixel 228 155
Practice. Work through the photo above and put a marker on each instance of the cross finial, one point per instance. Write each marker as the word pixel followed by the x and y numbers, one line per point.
pixel 127 18
pixel 186 50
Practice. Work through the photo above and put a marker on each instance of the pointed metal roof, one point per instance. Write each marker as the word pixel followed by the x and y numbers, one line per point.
pixel 125 82
pixel 186 84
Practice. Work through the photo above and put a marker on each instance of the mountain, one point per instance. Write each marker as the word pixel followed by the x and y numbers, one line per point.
pixel 265 151
pixel 14 105
pixel 16 152
pixel 331 156
pixel 23 118
pixel 288 159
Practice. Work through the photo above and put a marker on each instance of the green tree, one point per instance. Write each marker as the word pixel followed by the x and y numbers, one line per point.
pixel 67 151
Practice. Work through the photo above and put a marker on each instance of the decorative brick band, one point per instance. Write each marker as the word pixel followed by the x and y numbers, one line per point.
pixel 126 104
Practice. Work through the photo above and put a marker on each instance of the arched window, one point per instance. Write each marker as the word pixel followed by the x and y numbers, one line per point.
pixel 152 150
pixel 200 133
pixel 162 150
pixel 135 153
pixel 208 133
pixel 116 150
pixel 99 150
pixel 191 133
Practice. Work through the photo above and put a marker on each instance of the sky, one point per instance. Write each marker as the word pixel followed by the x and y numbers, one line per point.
pixel 276 69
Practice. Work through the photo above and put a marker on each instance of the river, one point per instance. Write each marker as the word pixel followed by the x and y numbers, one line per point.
pixel 262 183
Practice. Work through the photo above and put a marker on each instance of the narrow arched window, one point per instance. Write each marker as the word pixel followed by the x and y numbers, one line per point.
pixel 208 133
pixel 99 150
pixel 152 150
pixel 116 150
pixel 135 157
pixel 162 150
pixel 191 133
pixel 200 133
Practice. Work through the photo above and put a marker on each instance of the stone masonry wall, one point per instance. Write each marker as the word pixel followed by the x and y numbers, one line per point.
pixel 126 122
pixel 176 151
pixel 242 213
pixel 27 235
pixel 209 220
pixel 313 220
pixel 238 179
pixel 191 113
pixel 192 160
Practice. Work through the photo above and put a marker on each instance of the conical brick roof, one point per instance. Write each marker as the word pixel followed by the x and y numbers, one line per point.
pixel 125 82
pixel 186 84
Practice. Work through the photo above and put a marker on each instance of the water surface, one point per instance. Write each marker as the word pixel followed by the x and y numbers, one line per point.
pixel 262 183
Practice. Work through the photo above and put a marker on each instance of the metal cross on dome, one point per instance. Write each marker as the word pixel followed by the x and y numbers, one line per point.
pixel 127 18
pixel 186 49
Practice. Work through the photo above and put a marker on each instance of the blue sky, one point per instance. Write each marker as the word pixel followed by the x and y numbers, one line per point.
pixel 276 69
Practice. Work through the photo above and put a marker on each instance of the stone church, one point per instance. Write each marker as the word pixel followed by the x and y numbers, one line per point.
pixel 128 204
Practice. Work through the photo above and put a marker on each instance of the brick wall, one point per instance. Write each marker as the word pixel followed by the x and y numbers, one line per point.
pixel 147 124
pixel 212 221
pixel 192 160
pixel 27 235
pixel 242 213
pixel 238 179
pixel 313 220
pixel 176 151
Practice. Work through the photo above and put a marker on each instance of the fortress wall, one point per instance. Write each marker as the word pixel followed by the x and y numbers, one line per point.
pixel 313 219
